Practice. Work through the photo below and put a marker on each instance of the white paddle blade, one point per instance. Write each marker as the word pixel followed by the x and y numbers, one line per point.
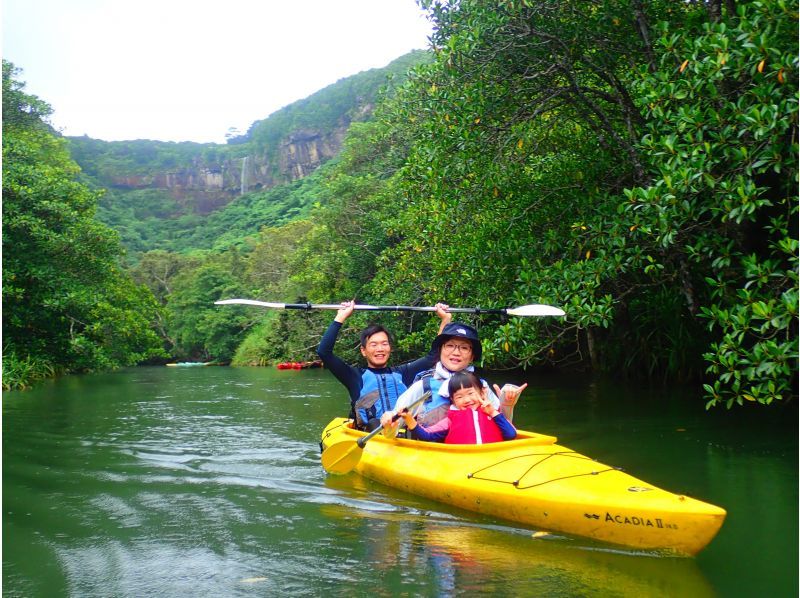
pixel 535 310
pixel 250 302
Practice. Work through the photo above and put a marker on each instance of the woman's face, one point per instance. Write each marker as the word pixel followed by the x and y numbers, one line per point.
pixel 467 398
pixel 456 354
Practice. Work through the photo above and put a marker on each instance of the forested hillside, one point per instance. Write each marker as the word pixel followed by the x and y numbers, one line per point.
pixel 186 196
pixel 634 163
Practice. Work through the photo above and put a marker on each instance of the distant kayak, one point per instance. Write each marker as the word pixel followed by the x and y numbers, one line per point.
pixel 298 365
pixel 535 482
pixel 189 364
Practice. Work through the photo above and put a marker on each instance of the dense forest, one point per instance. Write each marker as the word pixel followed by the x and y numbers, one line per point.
pixel 68 304
pixel 634 163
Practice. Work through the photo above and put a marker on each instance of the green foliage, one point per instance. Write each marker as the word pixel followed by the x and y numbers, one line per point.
pixel 257 349
pixel 236 223
pixel 722 115
pixel 356 204
pixel 21 373
pixel 107 162
pixel 272 271
pixel 271 264
pixel 146 219
pixel 67 304
pixel 512 152
pixel 281 336
pixel 200 330
pixel 21 110
pixel 642 175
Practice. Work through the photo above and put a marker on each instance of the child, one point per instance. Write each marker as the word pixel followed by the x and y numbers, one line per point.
pixel 471 419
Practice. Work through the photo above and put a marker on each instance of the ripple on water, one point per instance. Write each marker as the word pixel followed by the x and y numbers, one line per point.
pixel 151 567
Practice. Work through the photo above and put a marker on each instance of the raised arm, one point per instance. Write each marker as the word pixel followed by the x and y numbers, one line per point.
pixel 509 395
pixel 410 369
pixel 344 373
pixel 444 315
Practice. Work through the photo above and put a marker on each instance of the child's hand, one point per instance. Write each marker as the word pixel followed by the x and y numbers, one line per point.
pixel 410 420
pixel 487 407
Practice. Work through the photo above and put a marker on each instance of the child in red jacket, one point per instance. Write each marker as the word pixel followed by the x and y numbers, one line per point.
pixel 472 419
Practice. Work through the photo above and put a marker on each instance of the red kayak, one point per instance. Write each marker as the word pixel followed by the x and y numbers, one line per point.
pixel 298 365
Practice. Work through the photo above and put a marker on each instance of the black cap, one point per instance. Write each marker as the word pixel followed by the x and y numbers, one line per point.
pixel 459 330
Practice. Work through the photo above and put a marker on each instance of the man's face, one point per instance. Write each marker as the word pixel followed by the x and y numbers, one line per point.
pixel 377 350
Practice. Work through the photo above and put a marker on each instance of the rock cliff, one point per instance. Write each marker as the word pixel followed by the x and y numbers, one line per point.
pixel 205 185
pixel 287 145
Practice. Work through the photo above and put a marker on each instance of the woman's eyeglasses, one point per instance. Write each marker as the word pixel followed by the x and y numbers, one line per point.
pixel 453 347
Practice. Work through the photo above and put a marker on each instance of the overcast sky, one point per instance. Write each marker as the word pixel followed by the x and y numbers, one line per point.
pixel 188 70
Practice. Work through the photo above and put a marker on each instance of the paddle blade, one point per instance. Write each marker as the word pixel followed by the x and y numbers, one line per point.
pixel 341 457
pixel 535 310
pixel 250 302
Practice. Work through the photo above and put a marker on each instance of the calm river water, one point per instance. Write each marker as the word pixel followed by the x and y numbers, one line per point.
pixel 206 482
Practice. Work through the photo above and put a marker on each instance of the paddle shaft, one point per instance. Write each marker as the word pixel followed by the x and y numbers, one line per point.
pixel 363 440
pixel 357 307
pixel 462 310
pixel 342 457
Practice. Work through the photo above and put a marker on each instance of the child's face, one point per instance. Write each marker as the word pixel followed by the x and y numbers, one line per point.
pixel 467 398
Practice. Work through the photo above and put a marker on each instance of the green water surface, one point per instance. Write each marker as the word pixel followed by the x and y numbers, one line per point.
pixel 206 482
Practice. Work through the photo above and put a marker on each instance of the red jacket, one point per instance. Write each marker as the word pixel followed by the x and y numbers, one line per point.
pixel 469 426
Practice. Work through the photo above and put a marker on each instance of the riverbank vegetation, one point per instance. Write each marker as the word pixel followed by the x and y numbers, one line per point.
pixel 634 163
pixel 68 306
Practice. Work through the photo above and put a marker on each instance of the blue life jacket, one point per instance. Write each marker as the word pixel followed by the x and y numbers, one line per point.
pixel 379 394
pixel 435 407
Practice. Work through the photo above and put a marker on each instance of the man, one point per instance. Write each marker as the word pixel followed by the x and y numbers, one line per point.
pixel 373 390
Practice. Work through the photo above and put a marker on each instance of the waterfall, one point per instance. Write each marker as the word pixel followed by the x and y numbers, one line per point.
pixel 244 176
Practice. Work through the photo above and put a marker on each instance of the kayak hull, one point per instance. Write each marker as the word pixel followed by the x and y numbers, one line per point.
pixel 538 483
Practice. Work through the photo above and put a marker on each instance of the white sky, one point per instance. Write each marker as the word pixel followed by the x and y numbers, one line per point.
pixel 188 70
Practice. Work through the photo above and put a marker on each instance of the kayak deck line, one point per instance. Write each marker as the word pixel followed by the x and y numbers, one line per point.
pixel 535 482
pixel 516 483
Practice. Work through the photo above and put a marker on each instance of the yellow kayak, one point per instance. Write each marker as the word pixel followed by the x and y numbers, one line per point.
pixel 533 481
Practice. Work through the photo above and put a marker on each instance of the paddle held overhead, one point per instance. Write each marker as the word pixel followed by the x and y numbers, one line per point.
pixel 522 311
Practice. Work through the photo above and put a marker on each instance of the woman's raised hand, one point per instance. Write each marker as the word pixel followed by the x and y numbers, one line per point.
pixel 509 395
pixel 444 315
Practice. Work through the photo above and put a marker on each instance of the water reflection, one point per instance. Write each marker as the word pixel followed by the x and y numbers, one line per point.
pixel 462 556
